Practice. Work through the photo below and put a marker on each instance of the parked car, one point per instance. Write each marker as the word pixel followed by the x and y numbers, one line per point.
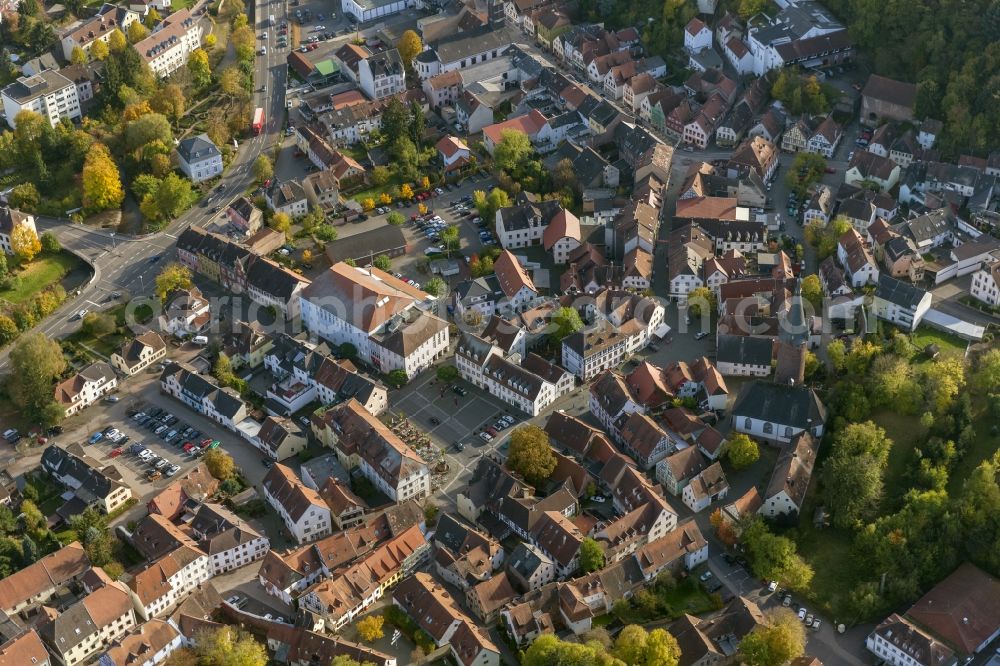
pixel 116 452
pixel 459 390
pixel 802 613
pixel 95 438
pixel 153 475
pixel 705 576
pixel 485 436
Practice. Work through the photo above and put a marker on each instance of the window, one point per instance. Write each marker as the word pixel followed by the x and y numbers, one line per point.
pixel 768 428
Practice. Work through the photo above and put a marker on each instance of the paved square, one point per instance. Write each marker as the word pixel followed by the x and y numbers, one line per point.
pixel 459 416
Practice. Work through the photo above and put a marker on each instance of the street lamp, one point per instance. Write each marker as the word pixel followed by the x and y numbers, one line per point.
pixel 112 234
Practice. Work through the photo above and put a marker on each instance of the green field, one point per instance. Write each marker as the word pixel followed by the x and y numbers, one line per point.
pixel 950 345
pixel 39 274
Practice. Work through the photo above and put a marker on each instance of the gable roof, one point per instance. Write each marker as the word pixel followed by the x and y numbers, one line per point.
pixel 796 406
pixel 963 609
pixel 793 470
pixel 511 274
pixel 890 90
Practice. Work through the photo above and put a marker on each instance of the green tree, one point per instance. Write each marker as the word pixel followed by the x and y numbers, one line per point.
pixel 380 176
pixel 383 262
pixel 36 362
pixel 50 243
pixel 98 324
pixel 174 276
pixel 397 378
pixel 147 129
pixel 774 557
pixel 395 218
pixel 530 454
pixel 8 330
pixel 172 197
pixel 781 639
pixel 435 286
pixel 348 351
pixel 447 373
pixel 812 291
pixel 591 556
pixel 169 101
pixel 201 72
pixel 513 149
pixel 566 321
pixel 222 369
pixel 24 197
pixel 742 451
pixel 262 169
pixel 78 56
pixel 450 239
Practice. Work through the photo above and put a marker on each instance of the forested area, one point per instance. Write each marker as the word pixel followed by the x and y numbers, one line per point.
pixel 949 48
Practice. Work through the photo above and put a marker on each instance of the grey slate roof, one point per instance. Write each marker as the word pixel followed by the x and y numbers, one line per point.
pixel 744 350
pixel 197 149
pixel 896 291
pixel 796 406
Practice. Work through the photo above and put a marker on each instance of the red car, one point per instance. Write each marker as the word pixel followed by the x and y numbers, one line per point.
pixel 205 442
pixel 188 446
pixel 116 452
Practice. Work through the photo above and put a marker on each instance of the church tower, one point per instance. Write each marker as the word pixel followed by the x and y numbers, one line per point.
pixel 793 338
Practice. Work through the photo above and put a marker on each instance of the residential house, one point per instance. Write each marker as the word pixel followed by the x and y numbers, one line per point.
pixel 900 303
pixel 453 152
pixel 797 136
pixel 169 47
pixel 899 642
pixel 24 648
pixel 77 632
pixel 986 284
pixel 562 236
pixel 322 189
pixel 86 387
pixel 199 158
pixel 704 489
pixel 755 154
pixel 682 549
pixel 867 167
pixel 382 74
pixel 38 582
pixel 463 49
pixel 529 568
pixel 463 555
pixel 517 286
pixel 859 264
pixel 229 542
pixel 186 312
pixel 386 320
pixel 826 138
pixel 524 224
pixel 530 124
pixel 642 439
pixel 244 215
pixel 139 353
pixel 148 644
pixel 303 511
pixel 360 440
pixel 288 197
pixel 11 219
pixel 48 93
pixel 247 345
pixel 221 404
pixel 610 397
pixel 98 28
pixel 281 438
pixel 738 54
pixel 434 610
pixel 90 483
pixel 340 599
pixel 786 492
pixel 164 583
pixel 677 470
pixel 697 36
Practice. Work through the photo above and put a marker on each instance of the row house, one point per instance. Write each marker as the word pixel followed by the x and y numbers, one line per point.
pixel 229 542
pixel 221 404
pixel 169 46
pixel 139 353
pixel 464 556
pixel 856 258
pixel 240 270
pixel 303 511
pixel 524 224
pixel 164 583
pixel 339 600
pixel 37 583
pixel 531 384
pixel 92 484
pixel 76 633
pixel 99 28
pixel 361 441
pixel 148 644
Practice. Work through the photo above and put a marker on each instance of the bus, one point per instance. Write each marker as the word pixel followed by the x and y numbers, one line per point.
pixel 258 120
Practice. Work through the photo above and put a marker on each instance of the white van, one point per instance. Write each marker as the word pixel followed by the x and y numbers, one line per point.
pixel 200 340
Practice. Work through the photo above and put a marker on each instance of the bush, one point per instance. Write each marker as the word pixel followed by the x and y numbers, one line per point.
pixel 447 373
pixel 397 379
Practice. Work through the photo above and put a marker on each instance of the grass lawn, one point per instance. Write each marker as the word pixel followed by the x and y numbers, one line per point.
pixel 950 345
pixel 906 433
pixel 831 554
pixel 40 273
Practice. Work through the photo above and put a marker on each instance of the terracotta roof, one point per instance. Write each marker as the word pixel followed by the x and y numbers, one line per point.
pixel 793 470
pixel 141 644
pixel 662 552
pixel 715 208
pixel 153 582
pixel 528 124
pixel 449 145
pixel 555 534
pixel 48 573
pixel 963 609
pixel 287 489
pixel 108 603
pixel 493 593
pixel 339 497
pixel 563 225
pixel 695 26
pixel 196 483
pixel 512 276
pixel 367 298
pixel 24 649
